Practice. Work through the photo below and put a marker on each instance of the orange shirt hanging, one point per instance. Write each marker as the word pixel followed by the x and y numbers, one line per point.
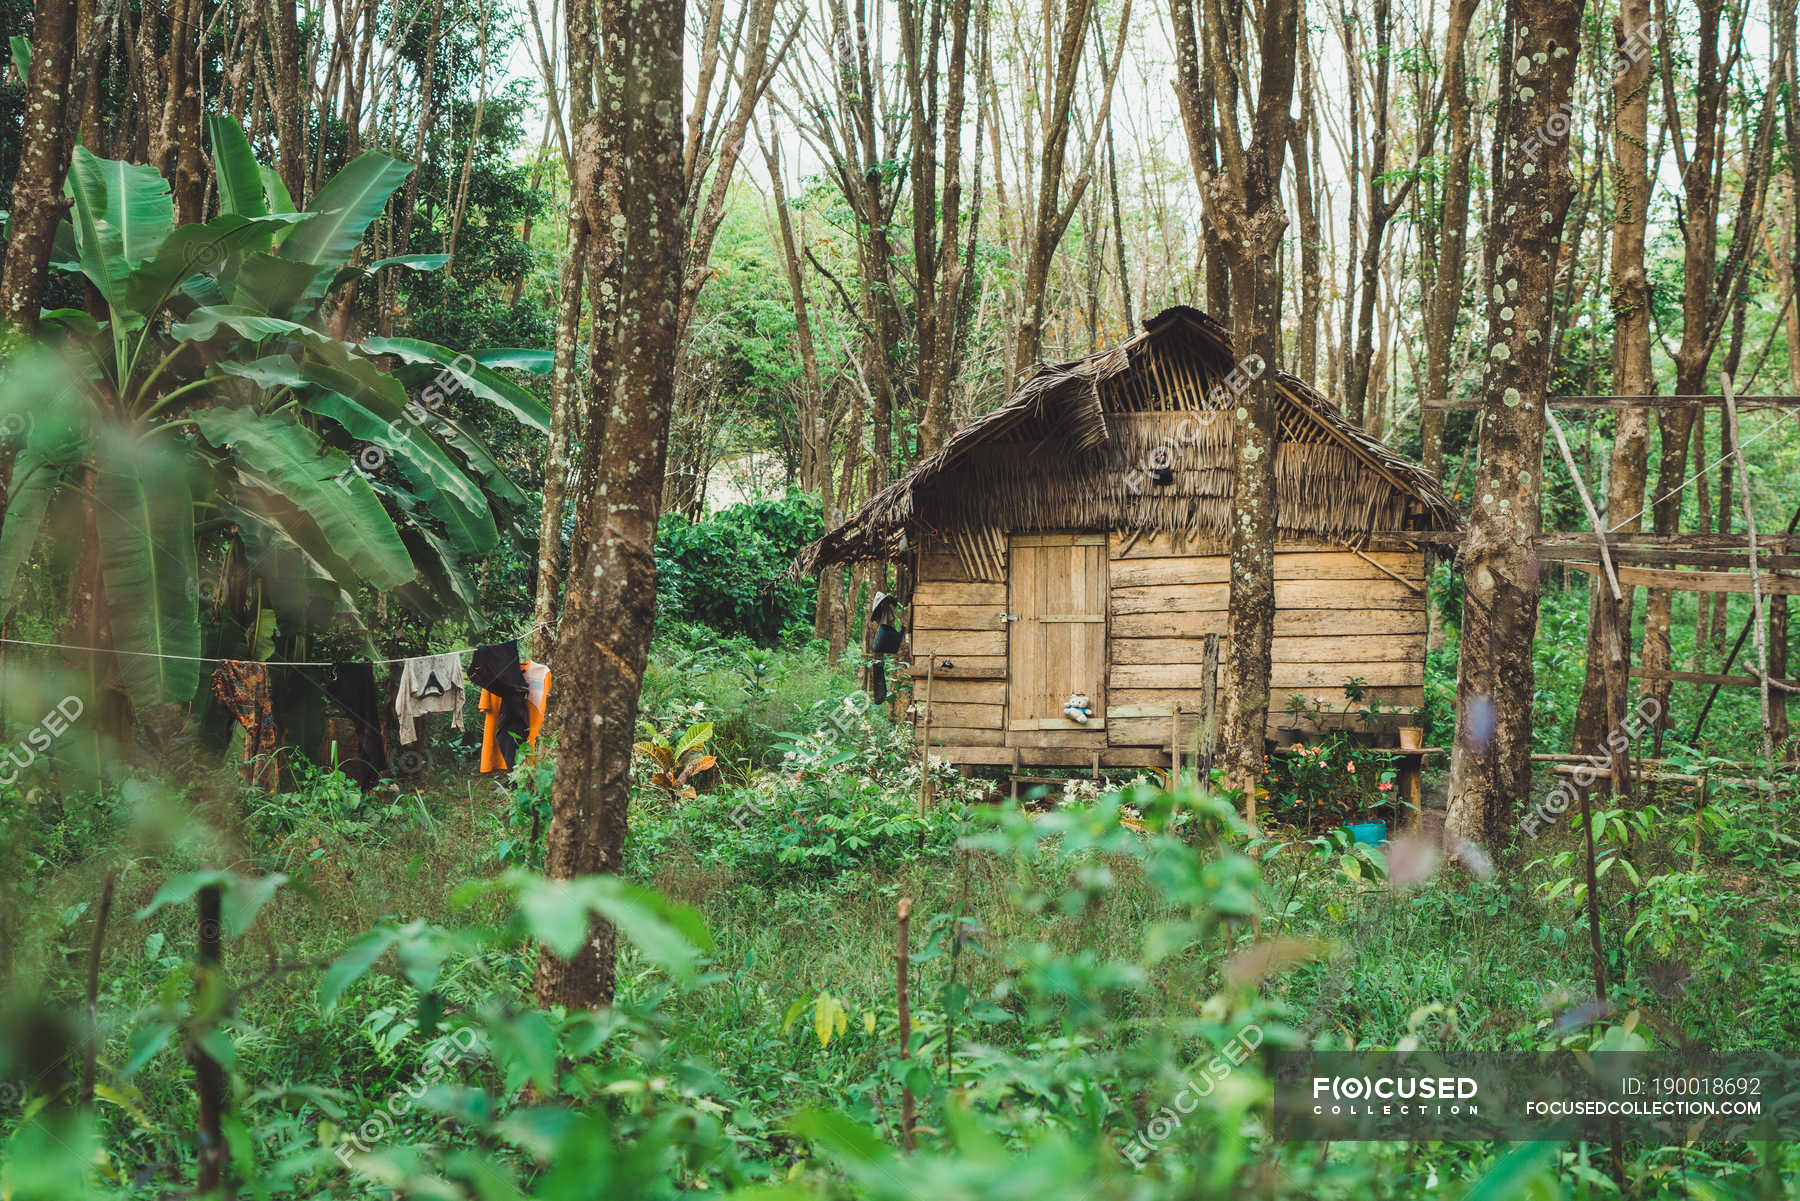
pixel 537 683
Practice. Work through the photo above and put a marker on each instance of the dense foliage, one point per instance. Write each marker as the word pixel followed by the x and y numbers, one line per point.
pixel 727 569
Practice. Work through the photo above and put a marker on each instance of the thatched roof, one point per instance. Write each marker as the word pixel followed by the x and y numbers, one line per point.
pixel 1075 447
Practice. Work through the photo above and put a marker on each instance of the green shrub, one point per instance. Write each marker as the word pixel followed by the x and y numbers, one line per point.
pixel 726 570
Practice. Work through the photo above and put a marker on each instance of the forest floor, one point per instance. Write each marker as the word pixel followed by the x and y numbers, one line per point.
pixel 1064 968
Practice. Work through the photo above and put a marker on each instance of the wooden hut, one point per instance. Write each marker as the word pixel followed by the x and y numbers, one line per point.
pixel 1075 541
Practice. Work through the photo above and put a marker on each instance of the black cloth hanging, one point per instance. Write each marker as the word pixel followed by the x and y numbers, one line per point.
pixel 352 686
pixel 496 668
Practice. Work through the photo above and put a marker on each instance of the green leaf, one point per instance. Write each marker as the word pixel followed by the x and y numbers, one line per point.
pixel 178 889
pixel 352 965
pixel 464 372
pixel 557 914
pixel 75 321
pixel 244 899
pixel 236 168
pixel 35 476
pixel 342 210
pixel 204 324
pixel 264 283
pixel 413 262
pixel 518 358
pixel 696 734
pixel 274 190
pixel 217 1043
pixel 318 482
pixel 145 515
pixel 146 1044
pixel 450 495
pixel 269 372
pixel 480 460
pixel 442 568
pixel 841 1137
pixel 121 215
pixel 194 250
pixel 21 56
pixel 1515 1172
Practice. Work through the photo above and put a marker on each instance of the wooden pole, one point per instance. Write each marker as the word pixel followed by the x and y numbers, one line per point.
pixel 1756 596
pixel 1174 746
pixel 209 1074
pixel 1613 635
pixel 1208 742
pixel 1694 738
pixel 1587 502
pixel 92 1042
pixel 925 744
pixel 901 959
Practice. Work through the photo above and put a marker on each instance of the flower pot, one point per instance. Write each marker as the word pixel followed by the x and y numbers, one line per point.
pixel 1411 738
pixel 1368 833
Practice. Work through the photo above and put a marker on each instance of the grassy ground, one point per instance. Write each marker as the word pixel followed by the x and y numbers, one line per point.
pixel 1058 987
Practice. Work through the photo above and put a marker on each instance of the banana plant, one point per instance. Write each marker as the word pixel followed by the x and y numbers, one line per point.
pixel 204 382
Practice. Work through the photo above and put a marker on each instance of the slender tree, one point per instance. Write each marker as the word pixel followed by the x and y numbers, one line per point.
pixel 1631 368
pixel 1243 208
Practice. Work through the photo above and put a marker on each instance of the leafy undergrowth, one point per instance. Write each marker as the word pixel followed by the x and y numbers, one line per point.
pixel 1068 972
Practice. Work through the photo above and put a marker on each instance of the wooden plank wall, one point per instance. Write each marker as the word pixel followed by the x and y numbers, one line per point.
pixel 956 620
pixel 1338 615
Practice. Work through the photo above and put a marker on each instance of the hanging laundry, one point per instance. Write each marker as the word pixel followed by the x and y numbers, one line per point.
pixel 429 684
pixel 506 699
pixel 537 699
pixel 298 694
pixel 352 686
pixel 243 688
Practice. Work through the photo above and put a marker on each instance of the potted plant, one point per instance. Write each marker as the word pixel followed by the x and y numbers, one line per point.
pixel 1369 784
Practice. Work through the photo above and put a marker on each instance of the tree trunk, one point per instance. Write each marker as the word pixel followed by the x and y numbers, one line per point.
pixel 1631 371
pixel 1312 236
pixel 609 612
pixel 1243 206
pixel 37 196
pixel 290 99
pixel 1443 302
pixel 565 394
pixel 1490 765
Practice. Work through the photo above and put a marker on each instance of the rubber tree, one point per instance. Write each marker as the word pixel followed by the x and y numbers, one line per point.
pixel 610 605
pixel 1490 764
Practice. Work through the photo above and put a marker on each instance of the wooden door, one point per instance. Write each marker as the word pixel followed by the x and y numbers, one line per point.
pixel 1056 644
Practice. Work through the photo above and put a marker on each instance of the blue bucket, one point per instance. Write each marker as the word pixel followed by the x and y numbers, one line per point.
pixel 1367 833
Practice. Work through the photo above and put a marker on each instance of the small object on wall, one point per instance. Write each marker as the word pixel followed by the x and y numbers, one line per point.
pixel 1078 707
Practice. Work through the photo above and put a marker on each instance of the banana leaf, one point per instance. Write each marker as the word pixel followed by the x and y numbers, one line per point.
pixel 288 459
pixel 235 165
pixel 192 250
pixel 121 216
pixel 449 494
pixel 341 212
pixel 480 380
pixel 145 512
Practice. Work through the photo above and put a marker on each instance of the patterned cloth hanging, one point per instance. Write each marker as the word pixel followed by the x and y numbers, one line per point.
pixel 243 688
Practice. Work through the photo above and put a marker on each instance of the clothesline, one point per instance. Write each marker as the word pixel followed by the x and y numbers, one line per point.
pixel 107 650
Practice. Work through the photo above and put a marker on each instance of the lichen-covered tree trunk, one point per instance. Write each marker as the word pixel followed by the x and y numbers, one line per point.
pixel 610 607
pixel 1244 210
pixel 1490 766
pixel 37 202
pixel 1631 342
